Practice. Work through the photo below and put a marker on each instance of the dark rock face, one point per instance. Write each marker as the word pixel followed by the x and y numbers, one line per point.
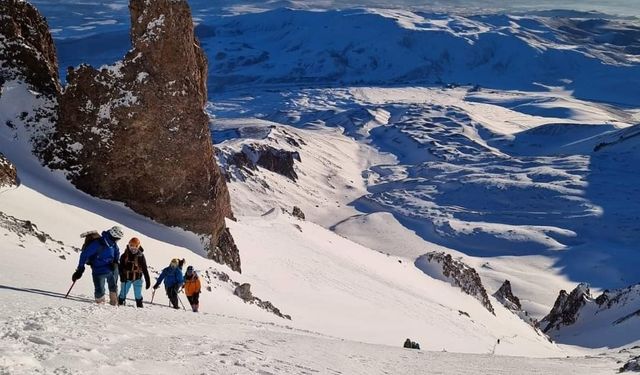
pixel 28 57
pixel 297 212
pixel 506 297
pixel 136 131
pixel 27 47
pixel 411 344
pixel 566 309
pixel 243 291
pixel 631 365
pixel 457 274
pixel 8 172
pixel 270 158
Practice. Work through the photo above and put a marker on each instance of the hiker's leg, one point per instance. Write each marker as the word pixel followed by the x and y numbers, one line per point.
pixel 124 289
pixel 172 292
pixel 137 289
pixel 98 285
pixel 112 281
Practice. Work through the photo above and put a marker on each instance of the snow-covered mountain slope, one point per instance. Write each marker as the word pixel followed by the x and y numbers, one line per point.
pixel 526 173
pixel 338 293
pixel 544 188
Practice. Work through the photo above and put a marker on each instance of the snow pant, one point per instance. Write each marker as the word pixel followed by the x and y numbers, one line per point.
pixel 98 283
pixel 194 298
pixel 172 293
pixel 194 301
pixel 137 289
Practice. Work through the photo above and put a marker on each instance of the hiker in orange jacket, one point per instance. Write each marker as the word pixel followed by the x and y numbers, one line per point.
pixel 192 288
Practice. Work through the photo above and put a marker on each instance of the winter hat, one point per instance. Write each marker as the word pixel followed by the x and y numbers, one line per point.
pixel 189 269
pixel 134 242
pixel 116 232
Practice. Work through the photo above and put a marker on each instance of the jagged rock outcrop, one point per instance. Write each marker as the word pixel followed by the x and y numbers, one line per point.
pixel 566 308
pixel 297 212
pixel 442 266
pixel 243 291
pixel 265 156
pixel 8 172
pixel 136 131
pixel 505 296
pixel 632 365
pixel 27 58
pixel 26 47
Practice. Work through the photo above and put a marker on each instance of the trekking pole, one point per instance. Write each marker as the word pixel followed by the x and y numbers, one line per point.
pixel 179 299
pixel 153 294
pixel 69 291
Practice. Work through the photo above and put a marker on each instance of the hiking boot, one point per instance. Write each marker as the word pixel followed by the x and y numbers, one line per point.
pixel 121 301
pixel 100 300
pixel 113 298
pixel 139 303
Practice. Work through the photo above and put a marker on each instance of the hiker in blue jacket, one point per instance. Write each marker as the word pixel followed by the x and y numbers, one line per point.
pixel 102 255
pixel 173 281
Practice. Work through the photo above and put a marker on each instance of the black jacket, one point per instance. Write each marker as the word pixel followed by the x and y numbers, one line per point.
pixel 133 266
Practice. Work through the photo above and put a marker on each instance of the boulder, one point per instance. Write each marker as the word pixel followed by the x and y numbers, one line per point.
pixel 297 212
pixel 244 292
pixel 136 131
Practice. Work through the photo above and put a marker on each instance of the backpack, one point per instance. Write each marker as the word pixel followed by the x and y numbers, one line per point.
pixel 89 237
pixel 132 261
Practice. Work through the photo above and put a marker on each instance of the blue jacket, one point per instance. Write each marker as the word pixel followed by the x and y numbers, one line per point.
pixel 102 254
pixel 171 276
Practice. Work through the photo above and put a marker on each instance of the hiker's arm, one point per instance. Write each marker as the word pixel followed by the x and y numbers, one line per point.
pixel 160 278
pixel 145 272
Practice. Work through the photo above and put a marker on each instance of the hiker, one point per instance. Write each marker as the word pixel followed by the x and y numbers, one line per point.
pixel 173 281
pixel 192 288
pixel 101 253
pixel 133 266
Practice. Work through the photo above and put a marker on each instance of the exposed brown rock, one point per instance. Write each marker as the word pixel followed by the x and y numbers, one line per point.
pixel 136 131
pixel 506 297
pixel 297 212
pixel 265 156
pixel 457 274
pixel 567 308
pixel 244 292
pixel 28 57
pixel 27 47
pixel 8 172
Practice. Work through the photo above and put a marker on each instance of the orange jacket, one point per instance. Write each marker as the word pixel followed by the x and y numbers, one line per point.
pixel 192 285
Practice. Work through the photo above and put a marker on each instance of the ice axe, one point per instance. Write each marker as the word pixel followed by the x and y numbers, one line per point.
pixel 69 291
